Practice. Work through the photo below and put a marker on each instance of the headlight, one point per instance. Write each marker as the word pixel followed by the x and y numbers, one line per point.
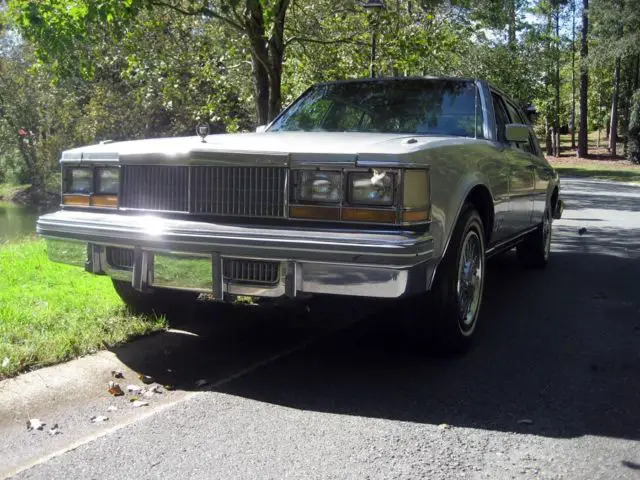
pixel 108 181
pixel 318 186
pixel 79 180
pixel 372 188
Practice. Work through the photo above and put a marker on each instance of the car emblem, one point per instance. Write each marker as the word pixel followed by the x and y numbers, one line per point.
pixel 202 129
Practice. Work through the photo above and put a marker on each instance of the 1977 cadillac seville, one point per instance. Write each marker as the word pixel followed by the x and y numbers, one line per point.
pixel 379 188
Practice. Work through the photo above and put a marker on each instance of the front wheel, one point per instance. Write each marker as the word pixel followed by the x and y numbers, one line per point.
pixel 451 308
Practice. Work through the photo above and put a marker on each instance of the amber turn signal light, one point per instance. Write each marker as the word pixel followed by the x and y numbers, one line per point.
pixel 315 212
pixel 76 200
pixel 415 216
pixel 369 215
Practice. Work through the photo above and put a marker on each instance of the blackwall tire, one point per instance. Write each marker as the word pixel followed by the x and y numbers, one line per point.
pixel 535 249
pixel 449 320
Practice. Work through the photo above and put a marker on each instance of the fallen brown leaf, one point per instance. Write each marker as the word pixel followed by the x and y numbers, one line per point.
pixel 115 390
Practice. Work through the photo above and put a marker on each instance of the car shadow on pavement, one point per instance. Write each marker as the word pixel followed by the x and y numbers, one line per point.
pixel 557 352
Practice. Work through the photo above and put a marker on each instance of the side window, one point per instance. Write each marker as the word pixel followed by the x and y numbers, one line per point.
pixel 501 116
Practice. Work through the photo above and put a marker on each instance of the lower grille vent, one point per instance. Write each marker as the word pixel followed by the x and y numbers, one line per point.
pixel 120 258
pixel 251 271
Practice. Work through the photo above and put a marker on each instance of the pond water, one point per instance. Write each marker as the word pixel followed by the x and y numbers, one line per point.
pixel 17 221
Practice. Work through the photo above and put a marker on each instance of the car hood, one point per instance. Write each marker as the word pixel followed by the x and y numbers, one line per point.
pixel 266 148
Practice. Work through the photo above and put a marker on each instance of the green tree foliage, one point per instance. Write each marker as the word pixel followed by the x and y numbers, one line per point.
pixel 616 43
pixel 34 116
pixel 80 71
pixel 62 29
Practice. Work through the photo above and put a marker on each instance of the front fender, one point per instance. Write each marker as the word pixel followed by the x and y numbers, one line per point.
pixel 448 199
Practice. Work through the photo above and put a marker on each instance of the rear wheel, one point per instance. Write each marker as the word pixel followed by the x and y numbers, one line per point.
pixel 449 319
pixel 174 303
pixel 535 249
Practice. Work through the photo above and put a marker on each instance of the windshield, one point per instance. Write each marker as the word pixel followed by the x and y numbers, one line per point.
pixel 411 106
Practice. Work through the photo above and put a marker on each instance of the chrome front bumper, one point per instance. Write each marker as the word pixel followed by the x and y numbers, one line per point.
pixel 185 254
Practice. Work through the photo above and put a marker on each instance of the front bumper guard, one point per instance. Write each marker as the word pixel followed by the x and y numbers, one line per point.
pixel 185 254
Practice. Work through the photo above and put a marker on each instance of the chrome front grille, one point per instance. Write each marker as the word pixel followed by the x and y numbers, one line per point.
pixel 251 271
pixel 205 190
pixel 238 191
pixel 153 187
pixel 120 258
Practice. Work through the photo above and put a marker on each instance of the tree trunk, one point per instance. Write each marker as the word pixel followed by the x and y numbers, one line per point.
pixel 254 27
pixel 548 80
pixel 625 102
pixel 548 137
pixel 556 113
pixel 511 23
pixel 613 131
pixel 260 90
pixel 267 56
pixel 583 148
pixel 276 56
pixel 573 74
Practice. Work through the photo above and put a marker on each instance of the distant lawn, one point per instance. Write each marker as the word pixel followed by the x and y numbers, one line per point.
pixel 631 174
pixel 51 312
pixel 600 164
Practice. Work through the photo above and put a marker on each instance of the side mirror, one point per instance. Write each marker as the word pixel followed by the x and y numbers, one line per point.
pixel 517 133
pixel 261 128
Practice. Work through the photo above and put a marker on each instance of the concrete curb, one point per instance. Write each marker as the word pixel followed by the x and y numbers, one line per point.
pixel 26 395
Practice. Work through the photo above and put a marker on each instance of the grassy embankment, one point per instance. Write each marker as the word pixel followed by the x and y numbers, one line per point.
pixel 600 164
pixel 8 191
pixel 51 312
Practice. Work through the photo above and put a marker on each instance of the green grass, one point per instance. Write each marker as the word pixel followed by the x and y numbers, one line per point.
pixel 631 174
pixel 51 312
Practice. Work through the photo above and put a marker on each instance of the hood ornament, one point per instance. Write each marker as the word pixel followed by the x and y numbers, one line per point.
pixel 202 130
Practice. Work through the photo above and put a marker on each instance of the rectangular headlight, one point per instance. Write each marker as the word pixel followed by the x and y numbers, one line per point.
pixel 107 181
pixel 318 186
pixel 79 181
pixel 372 188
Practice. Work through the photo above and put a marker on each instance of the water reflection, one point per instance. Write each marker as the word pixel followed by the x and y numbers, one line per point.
pixel 17 221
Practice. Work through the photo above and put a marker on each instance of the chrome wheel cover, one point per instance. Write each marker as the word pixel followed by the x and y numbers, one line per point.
pixel 470 281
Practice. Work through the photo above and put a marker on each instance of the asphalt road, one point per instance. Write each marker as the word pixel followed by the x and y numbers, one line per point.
pixel 550 390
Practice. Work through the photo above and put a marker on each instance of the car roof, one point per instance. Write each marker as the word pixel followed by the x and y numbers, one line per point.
pixel 397 79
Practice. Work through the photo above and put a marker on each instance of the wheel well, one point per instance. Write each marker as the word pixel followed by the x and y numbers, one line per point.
pixel 481 199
